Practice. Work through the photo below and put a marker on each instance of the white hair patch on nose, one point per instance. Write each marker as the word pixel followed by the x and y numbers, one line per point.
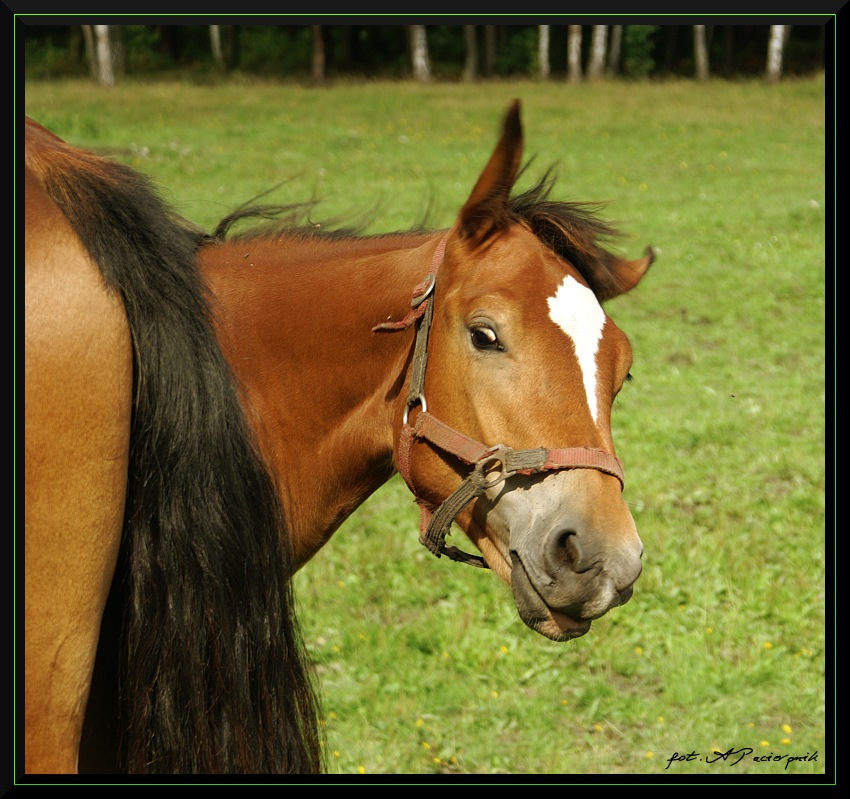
pixel 575 309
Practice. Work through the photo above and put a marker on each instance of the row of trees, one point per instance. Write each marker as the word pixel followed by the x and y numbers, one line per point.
pixel 604 55
pixel 578 52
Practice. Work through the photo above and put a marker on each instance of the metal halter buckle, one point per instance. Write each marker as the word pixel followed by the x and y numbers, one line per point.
pixel 419 399
pixel 427 289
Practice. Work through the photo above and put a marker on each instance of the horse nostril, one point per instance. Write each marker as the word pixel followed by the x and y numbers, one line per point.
pixel 570 550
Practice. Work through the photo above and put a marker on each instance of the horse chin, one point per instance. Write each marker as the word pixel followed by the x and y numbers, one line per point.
pixel 559 627
pixel 536 614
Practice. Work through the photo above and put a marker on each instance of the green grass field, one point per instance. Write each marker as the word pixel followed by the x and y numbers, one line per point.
pixel 425 666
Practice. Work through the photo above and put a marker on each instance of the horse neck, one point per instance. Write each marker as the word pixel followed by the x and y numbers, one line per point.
pixel 294 319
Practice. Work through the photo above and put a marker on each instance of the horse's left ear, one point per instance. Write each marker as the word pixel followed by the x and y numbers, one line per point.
pixel 486 210
pixel 623 275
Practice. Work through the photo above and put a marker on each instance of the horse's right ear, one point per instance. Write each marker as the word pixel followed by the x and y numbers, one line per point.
pixel 486 210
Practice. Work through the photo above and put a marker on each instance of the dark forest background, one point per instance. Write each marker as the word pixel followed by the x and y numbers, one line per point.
pixel 453 52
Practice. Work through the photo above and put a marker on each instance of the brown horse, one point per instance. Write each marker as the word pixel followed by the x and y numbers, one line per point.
pixel 203 412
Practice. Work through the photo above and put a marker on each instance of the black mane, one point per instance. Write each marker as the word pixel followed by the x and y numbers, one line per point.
pixel 572 230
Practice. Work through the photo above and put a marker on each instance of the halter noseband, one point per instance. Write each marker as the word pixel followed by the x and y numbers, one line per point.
pixel 491 464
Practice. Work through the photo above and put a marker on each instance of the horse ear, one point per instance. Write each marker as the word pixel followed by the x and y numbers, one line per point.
pixel 486 210
pixel 627 274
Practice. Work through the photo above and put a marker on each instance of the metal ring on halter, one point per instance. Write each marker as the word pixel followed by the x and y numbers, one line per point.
pixel 497 457
pixel 418 400
pixel 428 288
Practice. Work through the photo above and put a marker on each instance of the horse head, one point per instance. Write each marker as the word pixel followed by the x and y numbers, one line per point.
pixel 522 357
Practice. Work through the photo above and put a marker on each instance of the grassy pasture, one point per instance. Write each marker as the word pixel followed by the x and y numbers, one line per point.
pixel 425 667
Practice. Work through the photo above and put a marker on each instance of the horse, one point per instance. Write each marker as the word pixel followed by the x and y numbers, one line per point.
pixel 204 410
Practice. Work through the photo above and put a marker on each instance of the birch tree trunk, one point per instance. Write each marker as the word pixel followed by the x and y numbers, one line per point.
pixel 574 54
pixel 103 57
pixel 598 43
pixel 215 43
pixel 419 54
pixel 543 51
pixel 700 53
pixel 775 48
pixel 614 47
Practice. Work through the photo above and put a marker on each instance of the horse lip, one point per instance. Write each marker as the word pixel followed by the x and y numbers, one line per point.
pixel 534 611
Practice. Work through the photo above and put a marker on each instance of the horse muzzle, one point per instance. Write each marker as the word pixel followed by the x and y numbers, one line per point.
pixel 573 556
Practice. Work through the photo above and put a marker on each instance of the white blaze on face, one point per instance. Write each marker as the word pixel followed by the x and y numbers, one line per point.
pixel 575 309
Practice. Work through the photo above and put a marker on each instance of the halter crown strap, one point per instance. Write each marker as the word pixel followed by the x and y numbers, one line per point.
pixel 491 464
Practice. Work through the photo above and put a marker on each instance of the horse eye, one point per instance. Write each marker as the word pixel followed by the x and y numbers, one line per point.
pixel 483 338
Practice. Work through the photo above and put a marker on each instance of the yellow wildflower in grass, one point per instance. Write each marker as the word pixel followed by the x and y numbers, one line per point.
pixel 767 645
pixel 764 743
pixel 426 745
pixel 361 769
pixel 504 649
pixel 638 650
pixel 785 741
pixel 786 728
pixel 336 753
pixel 649 755
pixel 660 719
pixel 597 727
pixel 419 722
pixel 494 694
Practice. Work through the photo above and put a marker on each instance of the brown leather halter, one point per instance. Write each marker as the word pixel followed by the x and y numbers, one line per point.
pixel 491 464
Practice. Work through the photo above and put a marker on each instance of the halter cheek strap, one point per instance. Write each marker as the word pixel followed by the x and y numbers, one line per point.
pixel 491 464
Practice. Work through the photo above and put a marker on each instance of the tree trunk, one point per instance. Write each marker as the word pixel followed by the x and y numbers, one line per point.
pixel 543 51
pixel 419 50
pixel 470 65
pixel 317 65
pixel 574 54
pixel 88 38
pixel 700 53
pixel 775 48
pixel 614 48
pixel 598 43
pixel 489 50
pixel 215 43
pixel 76 45
pixel 103 57
pixel 230 46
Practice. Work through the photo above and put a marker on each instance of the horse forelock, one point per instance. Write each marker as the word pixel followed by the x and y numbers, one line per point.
pixel 572 230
